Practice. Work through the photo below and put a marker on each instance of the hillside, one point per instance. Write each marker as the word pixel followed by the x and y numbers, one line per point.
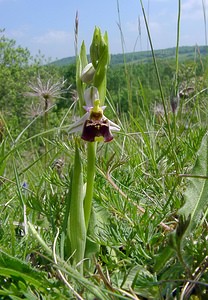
pixel 185 52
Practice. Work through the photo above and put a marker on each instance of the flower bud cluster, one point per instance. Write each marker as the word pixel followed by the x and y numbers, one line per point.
pixel 94 125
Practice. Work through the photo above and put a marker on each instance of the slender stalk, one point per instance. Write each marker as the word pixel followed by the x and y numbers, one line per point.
pixel 45 129
pixel 76 28
pixel 157 71
pixel 91 158
pixel 177 69
pixel 127 75
pixel 21 197
pixel 169 133
pixel 205 20
pixel 177 46
pixel 182 261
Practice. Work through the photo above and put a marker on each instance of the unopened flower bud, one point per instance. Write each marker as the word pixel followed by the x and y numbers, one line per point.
pixel 88 73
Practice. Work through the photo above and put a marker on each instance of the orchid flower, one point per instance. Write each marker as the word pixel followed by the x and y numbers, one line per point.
pixel 93 124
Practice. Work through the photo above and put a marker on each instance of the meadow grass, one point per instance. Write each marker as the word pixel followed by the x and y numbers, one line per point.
pixel 143 247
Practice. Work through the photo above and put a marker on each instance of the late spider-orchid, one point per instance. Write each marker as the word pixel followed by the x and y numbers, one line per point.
pixel 93 124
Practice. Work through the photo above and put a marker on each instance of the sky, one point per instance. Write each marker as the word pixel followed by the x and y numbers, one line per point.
pixel 48 25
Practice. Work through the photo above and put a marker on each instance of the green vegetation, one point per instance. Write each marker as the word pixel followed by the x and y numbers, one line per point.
pixel 147 236
pixel 185 53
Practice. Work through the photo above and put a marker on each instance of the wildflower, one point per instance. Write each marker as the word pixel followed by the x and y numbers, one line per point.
pixel 96 127
pixel 24 187
pixel 33 111
pixel 93 124
pixel 46 90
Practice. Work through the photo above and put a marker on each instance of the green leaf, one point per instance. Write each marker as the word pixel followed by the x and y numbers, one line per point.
pixel 162 258
pixel 197 191
pixel 80 64
pixel 83 56
pixel 142 282
pixel 77 229
pixel 11 266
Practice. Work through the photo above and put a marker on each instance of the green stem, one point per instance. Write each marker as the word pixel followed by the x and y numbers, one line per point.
pixel 91 158
pixel 176 83
pixel 45 129
pixel 177 47
pixel 157 71
pixel 127 75
pixel 182 261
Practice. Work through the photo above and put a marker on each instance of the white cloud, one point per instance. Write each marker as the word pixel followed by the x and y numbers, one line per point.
pixel 53 43
pixel 56 43
pixel 18 33
pixel 192 9
pixel 191 5
pixel 155 27
pixel 53 36
pixel 132 26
